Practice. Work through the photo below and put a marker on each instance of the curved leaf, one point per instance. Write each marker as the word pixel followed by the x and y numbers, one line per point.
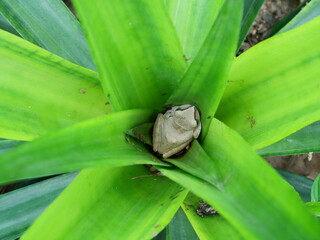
pixel 303 141
pixel 315 191
pixel 136 49
pixel 301 184
pixel 117 203
pixel 19 208
pixel 309 12
pixel 266 102
pixel 5 25
pixel 49 24
pixel 250 11
pixel 204 82
pixel 98 142
pixel 41 92
pixel 249 187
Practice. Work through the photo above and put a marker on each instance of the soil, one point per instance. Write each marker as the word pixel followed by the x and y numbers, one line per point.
pixel 272 11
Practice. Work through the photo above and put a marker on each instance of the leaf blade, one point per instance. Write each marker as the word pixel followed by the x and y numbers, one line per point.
pixel 304 140
pixel 98 142
pixel 192 21
pixel 250 104
pixel 136 50
pixel 19 208
pixel 268 202
pixel 46 94
pixel 105 193
pixel 211 66
pixel 49 24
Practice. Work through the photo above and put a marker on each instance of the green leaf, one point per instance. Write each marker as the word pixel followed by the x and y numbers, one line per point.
pixel 250 11
pixel 204 82
pixel 136 49
pixel 303 141
pixel 198 163
pixel 49 24
pixel 5 25
pixel 40 92
pixel 117 203
pixel 6 145
pixel 192 20
pixel 266 102
pixel 19 208
pixel 314 208
pixel 250 188
pixel 315 191
pixel 309 12
pixel 98 142
pixel 180 228
pixel 209 226
pixel 301 184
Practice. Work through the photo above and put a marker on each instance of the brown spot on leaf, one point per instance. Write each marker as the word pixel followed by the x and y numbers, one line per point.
pixel 252 121
pixel 82 91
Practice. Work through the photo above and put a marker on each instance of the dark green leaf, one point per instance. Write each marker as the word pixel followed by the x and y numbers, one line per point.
pixel 6 145
pixel 283 22
pixel 309 12
pixel 315 191
pixel 250 10
pixel 301 184
pixel 19 208
pixel 303 141
pixel 5 25
pixel 49 24
pixel 180 228
pixel 118 203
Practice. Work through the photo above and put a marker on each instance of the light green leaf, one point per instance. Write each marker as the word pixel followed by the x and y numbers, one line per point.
pixel 5 25
pixel 266 102
pixel 117 203
pixel 49 24
pixel 314 208
pixel 204 82
pixel 136 49
pixel 19 208
pixel 250 188
pixel 301 184
pixel 303 141
pixel 315 190
pixel 192 20
pixel 180 228
pixel 250 11
pixel 309 12
pixel 98 142
pixel 40 92
pixel 209 226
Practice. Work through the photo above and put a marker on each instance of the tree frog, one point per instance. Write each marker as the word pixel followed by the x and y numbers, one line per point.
pixel 176 129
